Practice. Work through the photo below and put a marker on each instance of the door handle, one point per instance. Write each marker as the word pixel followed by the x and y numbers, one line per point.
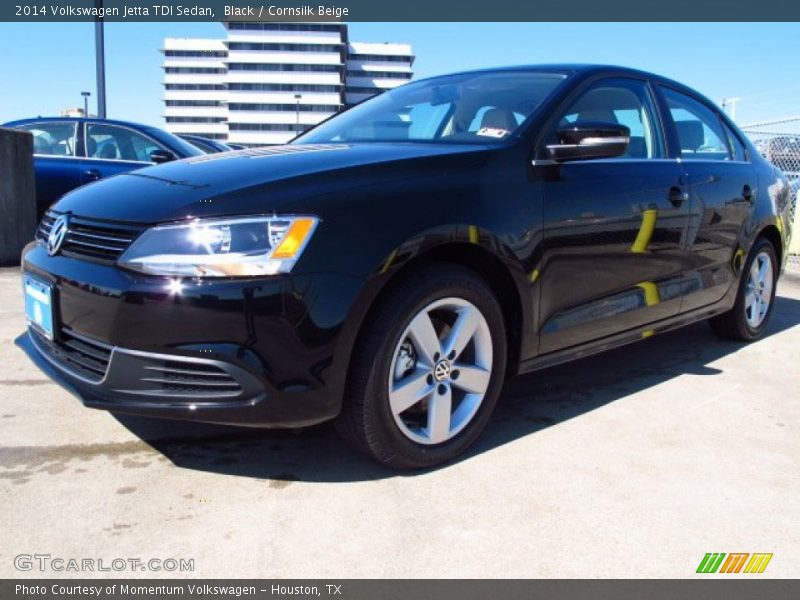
pixel 677 196
pixel 747 193
pixel 91 175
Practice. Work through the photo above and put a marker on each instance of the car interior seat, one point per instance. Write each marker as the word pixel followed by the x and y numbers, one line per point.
pixel 109 150
pixel 690 134
pixel 499 118
pixel 41 145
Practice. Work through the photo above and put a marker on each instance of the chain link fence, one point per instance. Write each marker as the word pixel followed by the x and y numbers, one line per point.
pixel 779 142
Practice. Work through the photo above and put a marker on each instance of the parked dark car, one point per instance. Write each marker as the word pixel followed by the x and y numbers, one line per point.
pixel 205 144
pixel 69 152
pixel 783 151
pixel 390 268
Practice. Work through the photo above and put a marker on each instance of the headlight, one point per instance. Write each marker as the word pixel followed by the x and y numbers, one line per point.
pixel 221 247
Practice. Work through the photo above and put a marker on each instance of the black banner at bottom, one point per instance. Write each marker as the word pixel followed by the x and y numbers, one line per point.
pixel 413 589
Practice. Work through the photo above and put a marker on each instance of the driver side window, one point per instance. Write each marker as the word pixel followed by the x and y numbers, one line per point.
pixel 624 102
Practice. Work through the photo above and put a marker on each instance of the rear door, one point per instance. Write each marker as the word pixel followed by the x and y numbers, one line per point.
pixel 613 256
pixel 55 159
pixel 722 188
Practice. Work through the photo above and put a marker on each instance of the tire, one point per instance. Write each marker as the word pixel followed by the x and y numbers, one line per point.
pixel 738 323
pixel 387 359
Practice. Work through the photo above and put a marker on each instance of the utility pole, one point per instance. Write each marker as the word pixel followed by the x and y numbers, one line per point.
pixel 732 103
pixel 86 103
pixel 100 60
pixel 297 123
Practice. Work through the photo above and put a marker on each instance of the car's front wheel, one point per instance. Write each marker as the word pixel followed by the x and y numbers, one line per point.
pixel 748 318
pixel 427 370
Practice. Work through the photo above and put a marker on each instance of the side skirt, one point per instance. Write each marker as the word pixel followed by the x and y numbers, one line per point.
pixel 628 337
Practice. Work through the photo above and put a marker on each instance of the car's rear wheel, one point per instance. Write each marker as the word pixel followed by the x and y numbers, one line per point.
pixel 428 369
pixel 748 318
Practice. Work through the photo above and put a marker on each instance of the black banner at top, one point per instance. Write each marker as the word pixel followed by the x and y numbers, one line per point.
pixel 399 10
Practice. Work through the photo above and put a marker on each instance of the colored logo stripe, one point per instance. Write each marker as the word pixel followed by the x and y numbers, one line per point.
pixel 713 562
pixel 758 563
pixel 710 562
pixel 734 562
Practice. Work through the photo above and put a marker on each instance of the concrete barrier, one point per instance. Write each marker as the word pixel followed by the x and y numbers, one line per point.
pixel 17 194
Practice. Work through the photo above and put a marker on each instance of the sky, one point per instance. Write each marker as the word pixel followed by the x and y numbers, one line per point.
pixel 45 66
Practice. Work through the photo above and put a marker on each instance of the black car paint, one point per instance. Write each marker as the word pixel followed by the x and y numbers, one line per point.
pixel 519 223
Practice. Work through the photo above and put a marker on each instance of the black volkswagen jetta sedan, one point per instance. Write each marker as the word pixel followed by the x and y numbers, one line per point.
pixel 390 268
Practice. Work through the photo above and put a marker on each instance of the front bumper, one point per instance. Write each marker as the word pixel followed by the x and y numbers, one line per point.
pixel 245 352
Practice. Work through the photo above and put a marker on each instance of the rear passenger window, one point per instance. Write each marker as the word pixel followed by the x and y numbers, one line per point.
pixel 739 152
pixel 699 129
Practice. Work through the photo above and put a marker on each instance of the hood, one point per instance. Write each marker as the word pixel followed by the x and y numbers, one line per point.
pixel 253 181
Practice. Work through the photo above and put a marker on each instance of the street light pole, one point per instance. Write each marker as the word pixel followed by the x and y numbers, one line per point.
pixel 297 125
pixel 100 60
pixel 86 103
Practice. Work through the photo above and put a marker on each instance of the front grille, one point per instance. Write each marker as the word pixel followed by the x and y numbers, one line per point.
pixel 98 240
pixel 78 354
pixel 185 377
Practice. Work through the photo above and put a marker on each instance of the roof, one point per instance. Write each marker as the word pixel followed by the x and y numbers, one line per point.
pixel 80 120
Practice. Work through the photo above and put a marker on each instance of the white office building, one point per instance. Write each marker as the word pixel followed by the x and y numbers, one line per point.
pixel 266 82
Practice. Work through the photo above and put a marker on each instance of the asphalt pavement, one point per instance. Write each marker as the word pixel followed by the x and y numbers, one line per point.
pixel 634 463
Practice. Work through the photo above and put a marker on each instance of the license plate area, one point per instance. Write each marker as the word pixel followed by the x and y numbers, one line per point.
pixel 39 305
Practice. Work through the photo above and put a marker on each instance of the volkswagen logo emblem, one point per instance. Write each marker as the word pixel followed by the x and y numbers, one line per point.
pixel 441 372
pixel 57 234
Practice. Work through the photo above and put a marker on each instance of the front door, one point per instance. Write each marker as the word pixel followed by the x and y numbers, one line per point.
pixel 613 228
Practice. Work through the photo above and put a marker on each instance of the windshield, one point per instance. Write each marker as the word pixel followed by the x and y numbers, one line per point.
pixel 472 108
pixel 184 148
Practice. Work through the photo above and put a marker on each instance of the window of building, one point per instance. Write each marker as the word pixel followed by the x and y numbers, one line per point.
pixel 284 47
pixel 192 103
pixel 195 53
pixel 195 86
pixel 283 67
pixel 381 58
pixel 284 107
pixel 195 119
pixel 379 74
pixel 193 70
pixel 284 87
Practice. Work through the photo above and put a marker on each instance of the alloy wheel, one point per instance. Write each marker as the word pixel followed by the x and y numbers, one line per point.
pixel 440 371
pixel 758 293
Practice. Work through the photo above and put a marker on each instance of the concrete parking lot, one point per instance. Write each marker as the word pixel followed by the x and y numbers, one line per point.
pixel 634 463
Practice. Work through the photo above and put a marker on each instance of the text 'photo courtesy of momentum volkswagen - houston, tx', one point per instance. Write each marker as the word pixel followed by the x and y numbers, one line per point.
pixel 391 267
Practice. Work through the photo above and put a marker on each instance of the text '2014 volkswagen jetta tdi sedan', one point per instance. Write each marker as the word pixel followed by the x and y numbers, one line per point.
pixel 391 267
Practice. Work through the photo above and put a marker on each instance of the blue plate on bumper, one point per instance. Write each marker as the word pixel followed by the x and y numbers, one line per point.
pixel 39 305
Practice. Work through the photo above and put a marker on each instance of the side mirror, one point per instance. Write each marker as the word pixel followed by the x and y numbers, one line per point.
pixel 584 140
pixel 161 156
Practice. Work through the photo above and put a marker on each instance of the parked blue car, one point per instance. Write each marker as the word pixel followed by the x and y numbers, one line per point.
pixel 205 144
pixel 69 152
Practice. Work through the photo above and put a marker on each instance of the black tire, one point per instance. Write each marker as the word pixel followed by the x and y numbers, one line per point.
pixel 733 325
pixel 366 421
